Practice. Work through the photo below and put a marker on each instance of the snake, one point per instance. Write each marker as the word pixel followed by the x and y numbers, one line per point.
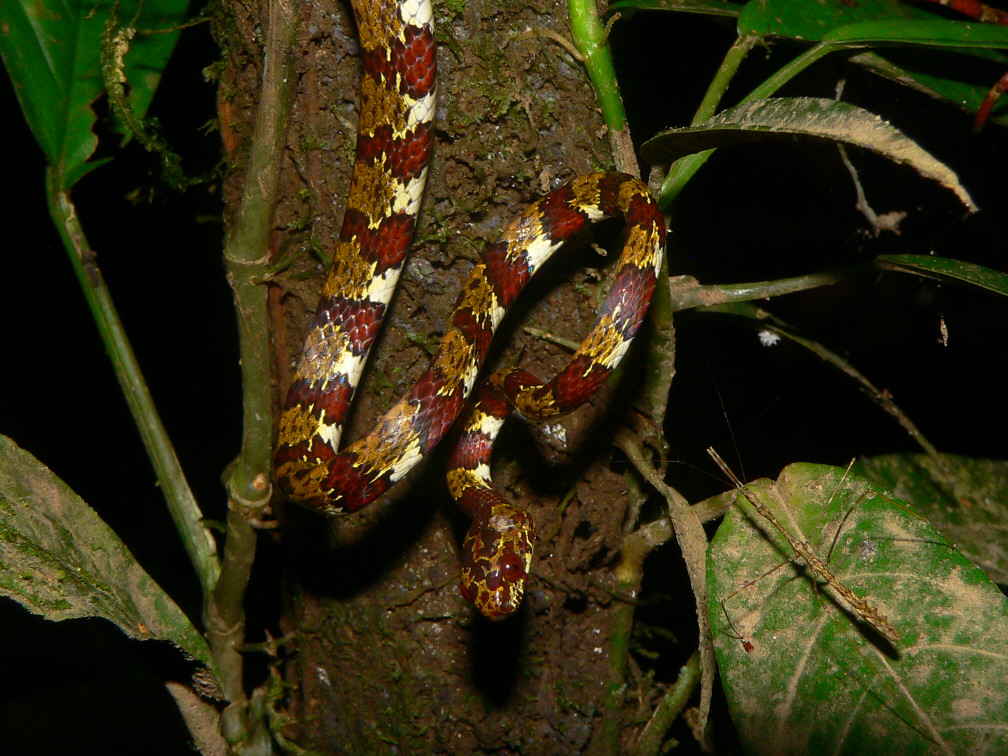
pixel 394 145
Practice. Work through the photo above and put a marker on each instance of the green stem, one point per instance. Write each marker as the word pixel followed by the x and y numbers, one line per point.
pixel 590 38
pixel 719 84
pixel 185 512
pixel 683 169
pixel 795 67
pixel 650 740
pixel 619 654
pixel 246 253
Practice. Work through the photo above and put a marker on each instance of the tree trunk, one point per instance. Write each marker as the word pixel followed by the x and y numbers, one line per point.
pixel 388 652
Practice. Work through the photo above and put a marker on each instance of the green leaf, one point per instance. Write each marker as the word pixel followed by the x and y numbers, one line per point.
pixel 931 33
pixel 945 269
pixel 939 78
pixel 59 560
pixel 706 7
pixel 789 117
pixel 809 22
pixel 52 51
pixel 971 508
pixel 885 23
pixel 876 22
pixel 802 675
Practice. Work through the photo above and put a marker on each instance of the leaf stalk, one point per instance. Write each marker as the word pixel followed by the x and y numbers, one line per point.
pixel 185 512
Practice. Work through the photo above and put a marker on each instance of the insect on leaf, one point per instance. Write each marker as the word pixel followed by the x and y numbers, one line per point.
pixel 803 674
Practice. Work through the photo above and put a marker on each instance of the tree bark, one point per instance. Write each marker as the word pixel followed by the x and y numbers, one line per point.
pixel 388 652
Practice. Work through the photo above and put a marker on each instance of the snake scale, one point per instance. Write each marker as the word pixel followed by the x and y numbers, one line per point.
pixel 394 143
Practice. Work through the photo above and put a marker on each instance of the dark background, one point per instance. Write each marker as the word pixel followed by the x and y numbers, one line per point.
pixel 751 214
pixel 82 686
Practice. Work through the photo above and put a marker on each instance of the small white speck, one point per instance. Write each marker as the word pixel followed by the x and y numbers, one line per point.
pixel 323 677
pixel 597 649
pixel 768 338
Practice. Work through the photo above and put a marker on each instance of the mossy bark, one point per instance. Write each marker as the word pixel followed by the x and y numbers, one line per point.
pixel 389 654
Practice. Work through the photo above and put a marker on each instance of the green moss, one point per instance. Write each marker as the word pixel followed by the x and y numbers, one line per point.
pixel 299 224
pixel 454 7
pixel 426 341
pixel 314 143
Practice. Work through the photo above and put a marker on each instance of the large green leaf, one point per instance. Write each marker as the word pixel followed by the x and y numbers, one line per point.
pixel 803 675
pixel 52 51
pixel 970 507
pixel 706 7
pixel 59 560
pixel 946 269
pixel 789 117
pixel 813 22
pixel 966 37
pixel 888 23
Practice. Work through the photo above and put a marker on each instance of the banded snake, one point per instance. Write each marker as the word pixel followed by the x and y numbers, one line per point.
pixel 394 145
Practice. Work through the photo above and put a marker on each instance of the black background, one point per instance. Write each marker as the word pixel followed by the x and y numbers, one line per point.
pixel 751 214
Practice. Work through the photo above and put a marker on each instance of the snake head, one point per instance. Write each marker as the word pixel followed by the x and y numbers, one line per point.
pixel 496 558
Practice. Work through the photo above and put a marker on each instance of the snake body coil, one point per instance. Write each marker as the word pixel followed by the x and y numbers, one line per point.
pixel 393 150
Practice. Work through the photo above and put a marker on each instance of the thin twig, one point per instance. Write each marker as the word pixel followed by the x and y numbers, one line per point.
pixel 688 293
pixel 545 335
pixel 560 39
pixel 880 397
pixel 693 542
pixel 879 223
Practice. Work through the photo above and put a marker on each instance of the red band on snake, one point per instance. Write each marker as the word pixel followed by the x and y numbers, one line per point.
pixel 393 150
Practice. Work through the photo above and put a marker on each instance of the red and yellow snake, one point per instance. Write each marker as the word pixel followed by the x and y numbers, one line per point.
pixel 393 150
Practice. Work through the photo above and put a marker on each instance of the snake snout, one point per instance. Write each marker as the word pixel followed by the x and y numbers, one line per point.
pixel 497 555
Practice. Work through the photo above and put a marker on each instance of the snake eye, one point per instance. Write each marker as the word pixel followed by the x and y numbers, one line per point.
pixel 512 569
